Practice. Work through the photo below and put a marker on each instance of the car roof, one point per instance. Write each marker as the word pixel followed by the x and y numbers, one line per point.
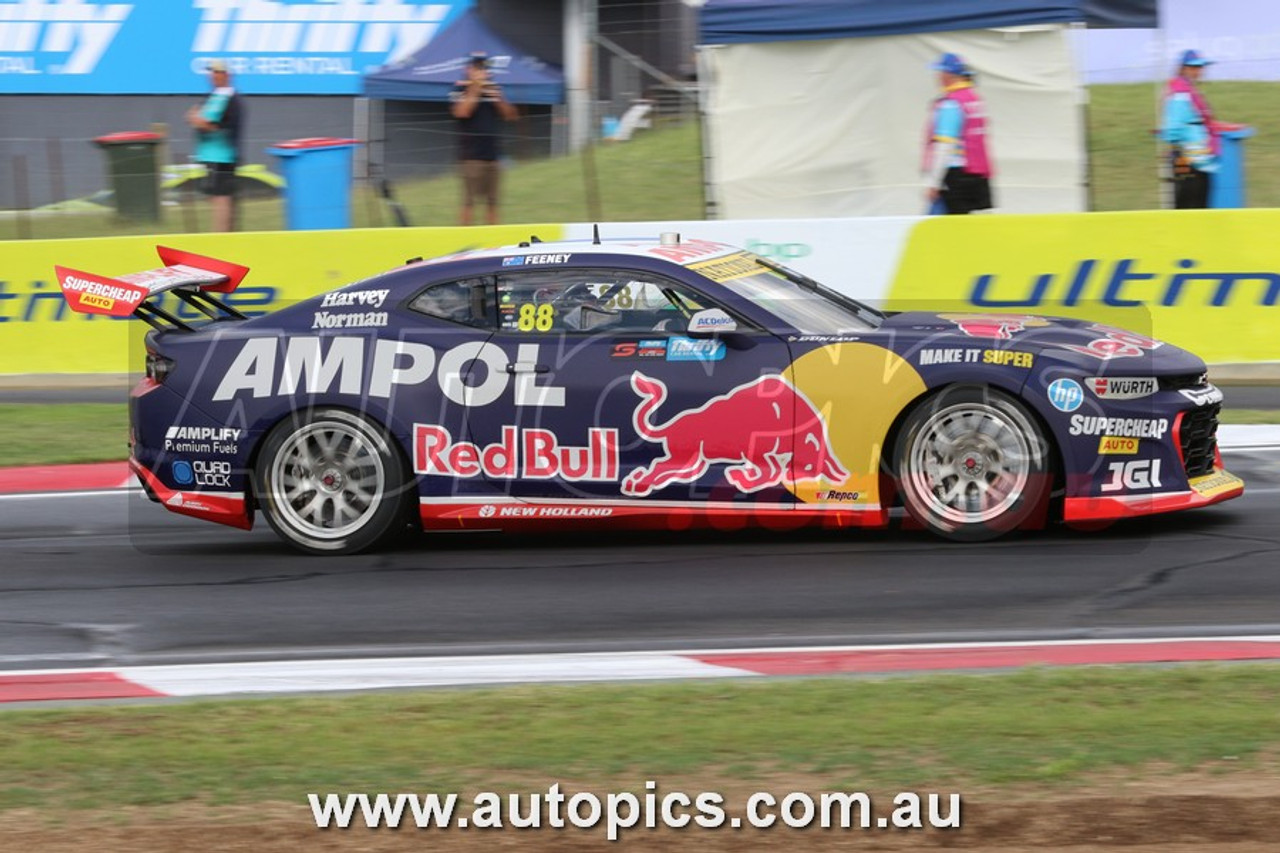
pixel 670 247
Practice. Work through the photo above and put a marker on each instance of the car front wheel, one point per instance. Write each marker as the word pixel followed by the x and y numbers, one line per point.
pixel 330 482
pixel 972 464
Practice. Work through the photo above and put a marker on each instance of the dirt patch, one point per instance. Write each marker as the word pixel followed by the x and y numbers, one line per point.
pixel 1232 813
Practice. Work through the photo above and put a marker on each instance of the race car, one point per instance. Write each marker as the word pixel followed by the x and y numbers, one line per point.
pixel 664 383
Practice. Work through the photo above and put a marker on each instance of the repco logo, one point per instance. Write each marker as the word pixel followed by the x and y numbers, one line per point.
pixel 1121 284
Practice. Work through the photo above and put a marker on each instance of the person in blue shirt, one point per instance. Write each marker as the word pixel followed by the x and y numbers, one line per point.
pixel 1193 135
pixel 217 123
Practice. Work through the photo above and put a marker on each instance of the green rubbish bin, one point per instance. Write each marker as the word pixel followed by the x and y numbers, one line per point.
pixel 135 174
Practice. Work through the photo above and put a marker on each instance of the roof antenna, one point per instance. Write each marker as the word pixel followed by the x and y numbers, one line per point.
pixel 534 238
pixel 595 234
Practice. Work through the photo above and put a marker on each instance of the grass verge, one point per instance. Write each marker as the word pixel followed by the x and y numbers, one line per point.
pixel 1046 726
pixel 49 434
pixel 55 433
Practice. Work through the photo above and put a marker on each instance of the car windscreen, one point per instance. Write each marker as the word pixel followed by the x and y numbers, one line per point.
pixel 809 308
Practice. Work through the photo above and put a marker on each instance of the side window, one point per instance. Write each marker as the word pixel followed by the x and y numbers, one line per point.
pixel 469 301
pixel 593 301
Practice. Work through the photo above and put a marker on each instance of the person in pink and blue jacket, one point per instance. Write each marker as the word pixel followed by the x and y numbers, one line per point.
pixel 957 163
pixel 1193 136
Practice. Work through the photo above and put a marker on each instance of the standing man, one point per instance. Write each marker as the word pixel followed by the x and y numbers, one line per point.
pixel 478 104
pixel 956 162
pixel 1192 134
pixel 217 123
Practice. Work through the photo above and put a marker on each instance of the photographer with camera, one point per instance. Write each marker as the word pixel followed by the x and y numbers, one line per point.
pixel 478 104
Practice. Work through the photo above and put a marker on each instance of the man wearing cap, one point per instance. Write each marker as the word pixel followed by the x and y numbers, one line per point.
pixel 1192 134
pixel 956 162
pixel 478 104
pixel 217 123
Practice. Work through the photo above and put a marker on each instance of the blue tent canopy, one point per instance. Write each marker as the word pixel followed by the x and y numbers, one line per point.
pixel 430 73
pixel 737 21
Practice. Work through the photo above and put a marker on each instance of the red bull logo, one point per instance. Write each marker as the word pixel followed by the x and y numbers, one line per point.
pixel 765 430
pixel 1000 327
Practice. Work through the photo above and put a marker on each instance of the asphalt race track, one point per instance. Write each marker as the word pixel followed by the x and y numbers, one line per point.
pixel 113 579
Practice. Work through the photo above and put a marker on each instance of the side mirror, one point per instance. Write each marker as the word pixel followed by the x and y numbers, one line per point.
pixel 710 322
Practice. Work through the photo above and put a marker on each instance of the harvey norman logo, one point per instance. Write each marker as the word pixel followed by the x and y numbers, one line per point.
pixel 390 28
pixel 80 29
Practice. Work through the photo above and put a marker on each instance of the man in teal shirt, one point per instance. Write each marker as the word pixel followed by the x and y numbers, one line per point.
pixel 217 123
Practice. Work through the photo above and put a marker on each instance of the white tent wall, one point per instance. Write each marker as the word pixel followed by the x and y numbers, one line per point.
pixel 836 127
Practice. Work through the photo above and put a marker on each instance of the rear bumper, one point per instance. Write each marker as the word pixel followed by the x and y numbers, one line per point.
pixel 227 508
pixel 1213 488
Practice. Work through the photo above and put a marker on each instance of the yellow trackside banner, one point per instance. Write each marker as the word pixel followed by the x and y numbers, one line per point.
pixel 40 334
pixel 1208 281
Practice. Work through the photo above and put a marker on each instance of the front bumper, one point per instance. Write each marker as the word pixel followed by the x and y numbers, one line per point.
pixel 1221 485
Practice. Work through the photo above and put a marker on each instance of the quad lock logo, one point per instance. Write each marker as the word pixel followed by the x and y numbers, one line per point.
pixel 201 472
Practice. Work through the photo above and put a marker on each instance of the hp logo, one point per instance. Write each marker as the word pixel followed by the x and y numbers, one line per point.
pixel 1066 395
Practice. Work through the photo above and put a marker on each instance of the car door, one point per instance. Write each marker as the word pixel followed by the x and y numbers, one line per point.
pixel 613 401
pixel 456 320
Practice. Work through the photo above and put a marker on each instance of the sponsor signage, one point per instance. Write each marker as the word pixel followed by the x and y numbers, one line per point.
pixel 1122 427
pixel 39 333
pixel 151 47
pixel 270 366
pixel 1207 396
pixel 1123 388
pixel 1135 475
pixel 529 454
pixel 1142 270
pixel 1066 395
pixel 1116 445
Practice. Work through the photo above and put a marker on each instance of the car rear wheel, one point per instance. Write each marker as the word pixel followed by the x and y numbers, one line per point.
pixel 330 482
pixel 972 464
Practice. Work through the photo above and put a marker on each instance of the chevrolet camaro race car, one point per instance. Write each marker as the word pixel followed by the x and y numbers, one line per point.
pixel 645 384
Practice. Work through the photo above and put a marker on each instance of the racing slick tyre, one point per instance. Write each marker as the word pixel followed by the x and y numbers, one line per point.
pixel 971 464
pixel 331 482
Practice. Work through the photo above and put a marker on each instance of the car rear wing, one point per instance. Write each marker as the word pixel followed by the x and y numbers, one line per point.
pixel 192 278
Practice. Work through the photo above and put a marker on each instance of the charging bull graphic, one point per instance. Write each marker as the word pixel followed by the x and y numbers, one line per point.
pixel 758 427
pixel 1000 327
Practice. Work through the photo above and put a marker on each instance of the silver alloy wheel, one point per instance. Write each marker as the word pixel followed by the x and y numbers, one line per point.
pixel 328 479
pixel 970 462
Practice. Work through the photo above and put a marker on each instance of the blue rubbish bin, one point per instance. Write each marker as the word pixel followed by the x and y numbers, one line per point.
pixel 317 174
pixel 1226 187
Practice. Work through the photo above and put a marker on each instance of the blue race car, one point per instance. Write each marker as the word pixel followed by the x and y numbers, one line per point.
pixel 644 384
